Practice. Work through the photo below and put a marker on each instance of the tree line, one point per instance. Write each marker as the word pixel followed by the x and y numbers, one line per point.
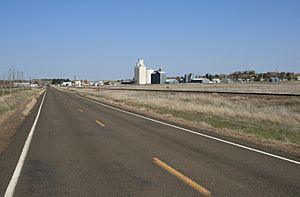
pixel 266 76
pixel 59 81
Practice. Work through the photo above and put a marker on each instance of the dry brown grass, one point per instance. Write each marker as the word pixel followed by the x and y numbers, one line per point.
pixel 280 110
pixel 283 87
pixel 13 109
pixel 9 102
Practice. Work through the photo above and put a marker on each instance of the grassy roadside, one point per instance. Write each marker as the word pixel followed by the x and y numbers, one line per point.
pixel 13 108
pixel 274 120
pixel 10 102
pixel 268 131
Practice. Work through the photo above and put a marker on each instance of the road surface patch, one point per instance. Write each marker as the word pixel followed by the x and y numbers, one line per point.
pixel 182 177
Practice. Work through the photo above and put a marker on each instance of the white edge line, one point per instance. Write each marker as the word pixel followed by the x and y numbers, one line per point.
pixel 196 133
pixel 15 177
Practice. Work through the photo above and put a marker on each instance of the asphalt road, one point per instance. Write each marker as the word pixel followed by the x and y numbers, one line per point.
pixel 80 148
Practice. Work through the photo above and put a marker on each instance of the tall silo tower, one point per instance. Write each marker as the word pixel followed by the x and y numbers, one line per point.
pixel 140 72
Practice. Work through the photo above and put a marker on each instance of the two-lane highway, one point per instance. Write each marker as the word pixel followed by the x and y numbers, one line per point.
pixel 81 148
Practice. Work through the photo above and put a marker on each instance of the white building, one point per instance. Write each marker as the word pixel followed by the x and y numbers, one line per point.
pixel 23 84
pixel 216 80
pixel 34 85
pixel 148 75
pixel 140 72
pixel 67 84
pixel 200 80
pixel 78 83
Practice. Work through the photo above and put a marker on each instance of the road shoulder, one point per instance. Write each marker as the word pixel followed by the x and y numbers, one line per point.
pixel 20 127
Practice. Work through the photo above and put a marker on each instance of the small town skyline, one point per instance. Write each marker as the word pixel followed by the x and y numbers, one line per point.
pixel 17 74
pixel 144 75
pixel 4 72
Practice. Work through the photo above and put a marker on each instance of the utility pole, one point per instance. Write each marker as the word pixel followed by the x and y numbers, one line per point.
pixel 5 81
pixel 3 84
pixel 13 78
pixel 10 88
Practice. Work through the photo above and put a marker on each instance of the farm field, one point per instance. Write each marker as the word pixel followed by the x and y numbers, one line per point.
pixel 292 87
pixel 273 120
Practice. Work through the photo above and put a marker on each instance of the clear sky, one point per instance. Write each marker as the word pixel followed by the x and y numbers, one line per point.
pixel 102 39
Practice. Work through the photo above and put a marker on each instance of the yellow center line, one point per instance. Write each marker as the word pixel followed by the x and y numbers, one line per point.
pixel 100 123
pixel 182 177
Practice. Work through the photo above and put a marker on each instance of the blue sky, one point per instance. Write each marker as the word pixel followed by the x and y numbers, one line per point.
pixel 103 39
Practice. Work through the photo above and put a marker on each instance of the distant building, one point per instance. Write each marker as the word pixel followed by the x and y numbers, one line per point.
pixel 188 77
pixel 227 80
pixel 172 81
pixel 216 80
pixel 140 72
pixel 274 79
pixel 67 84
pixel 200 80
pixel 148 75
pixel 158 77
pixel 78 83
pixel 85 83
pixel 34 85
pixel 21 84
pixel 92 83
pixel 127 82
pixel 115 83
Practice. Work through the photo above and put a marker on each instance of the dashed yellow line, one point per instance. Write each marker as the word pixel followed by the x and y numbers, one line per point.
pixel 182 177
pixel 100 123
pixel 81 110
